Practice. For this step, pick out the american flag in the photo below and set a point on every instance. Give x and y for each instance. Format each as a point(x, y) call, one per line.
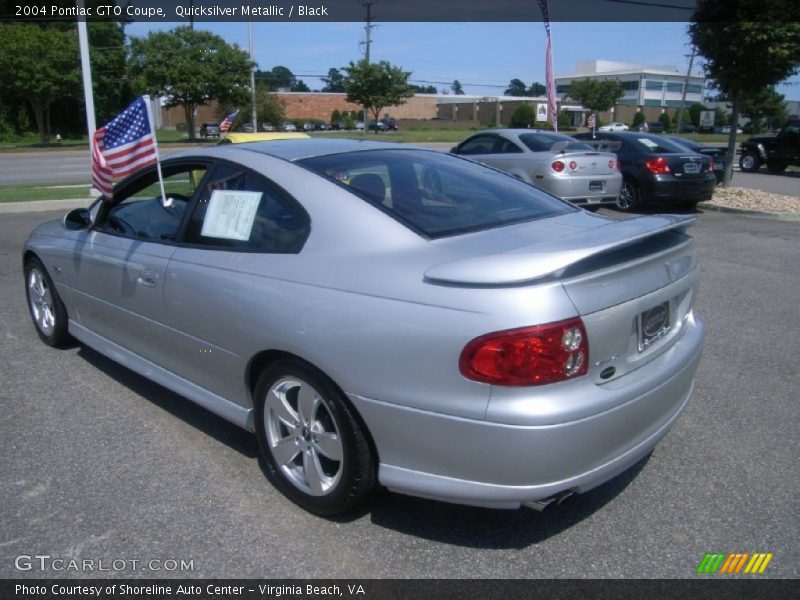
point(227, 122)
point(550, 84)
point(590, 122)
point(123, 146)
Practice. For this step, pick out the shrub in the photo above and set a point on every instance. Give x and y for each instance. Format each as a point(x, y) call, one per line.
point(665, 121)
point(523, 116)
point(638, 119)
point(336, 116)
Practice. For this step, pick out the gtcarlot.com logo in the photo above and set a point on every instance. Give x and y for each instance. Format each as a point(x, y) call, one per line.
point(46, 562)
point(734, 563)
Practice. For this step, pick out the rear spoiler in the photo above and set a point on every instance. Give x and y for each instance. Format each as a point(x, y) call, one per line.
point(551, 258)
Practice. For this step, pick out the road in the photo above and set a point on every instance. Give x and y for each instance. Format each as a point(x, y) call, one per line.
point(101, 463)
point(73, 166)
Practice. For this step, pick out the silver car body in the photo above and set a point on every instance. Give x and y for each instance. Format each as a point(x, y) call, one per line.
point(588, 177)
point(385, 313)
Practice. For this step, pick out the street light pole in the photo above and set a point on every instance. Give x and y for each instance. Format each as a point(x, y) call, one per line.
point(252, 75)
point(86, 71)
point(368, 31)
point(685, 86)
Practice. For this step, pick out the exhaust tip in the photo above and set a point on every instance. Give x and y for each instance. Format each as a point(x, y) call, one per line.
point(554, 500)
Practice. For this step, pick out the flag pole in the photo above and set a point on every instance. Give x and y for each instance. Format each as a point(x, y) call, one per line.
point(155, 146)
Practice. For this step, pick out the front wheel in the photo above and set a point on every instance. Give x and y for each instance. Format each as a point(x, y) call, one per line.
point(45, 306)
point(315, 449)
point(630, 196)
point(749, 162)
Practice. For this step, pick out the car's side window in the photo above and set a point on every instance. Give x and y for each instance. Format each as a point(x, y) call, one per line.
point(239, 210)
point(480, 144)
point(143, 214)
point(504, 146)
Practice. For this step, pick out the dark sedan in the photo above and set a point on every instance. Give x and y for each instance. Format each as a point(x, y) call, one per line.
point(657, 170)
point(715, 152)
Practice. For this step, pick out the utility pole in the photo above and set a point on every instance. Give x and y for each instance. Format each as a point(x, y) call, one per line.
point(685, 86)
point(368, 31)
point(252, 75)
point(86, 71)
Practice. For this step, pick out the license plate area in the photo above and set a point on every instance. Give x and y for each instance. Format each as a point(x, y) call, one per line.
point(653, 324)
point(691, 168)
point(595, 186)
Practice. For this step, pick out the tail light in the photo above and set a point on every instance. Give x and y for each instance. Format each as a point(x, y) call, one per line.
point(557, 166)
point(614, 164)
point(659, 165)
point(573, 165)
point(528, 356)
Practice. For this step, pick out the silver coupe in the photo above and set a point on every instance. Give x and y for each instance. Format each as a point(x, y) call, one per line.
point(383, 315)
point(554, 162)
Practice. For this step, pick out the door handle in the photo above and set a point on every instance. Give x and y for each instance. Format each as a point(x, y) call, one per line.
point(147, 279)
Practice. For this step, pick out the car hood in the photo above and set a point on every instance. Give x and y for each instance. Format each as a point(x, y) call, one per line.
point(559, 243)
point(758, 139)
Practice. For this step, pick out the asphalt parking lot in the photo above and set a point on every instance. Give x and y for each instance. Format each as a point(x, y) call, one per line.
point(99, 463)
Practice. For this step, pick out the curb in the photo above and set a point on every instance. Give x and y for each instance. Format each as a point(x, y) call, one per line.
point(781, 216)
point(44, 205)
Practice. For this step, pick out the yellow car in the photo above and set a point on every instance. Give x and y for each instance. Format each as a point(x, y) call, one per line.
point(241, 138)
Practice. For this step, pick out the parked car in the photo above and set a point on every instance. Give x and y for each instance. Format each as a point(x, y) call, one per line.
point(716, 153)
point(243, 138)
point(321, 126)
point(391, 124)
point(267, 127)
point(776, 151)
point(445, 330)
point(552, 161)
point(208, 130)
point(288, 126)
point(613, 127)
point(378, 126)
point(244, 128)
point(727, 129)
point(308, 126)
point(687, 128)
point(657, 170)
point(360, 125)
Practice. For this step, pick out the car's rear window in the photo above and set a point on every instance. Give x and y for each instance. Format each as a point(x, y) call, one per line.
point(658, 144)
point(541, 142)
point(437, 194)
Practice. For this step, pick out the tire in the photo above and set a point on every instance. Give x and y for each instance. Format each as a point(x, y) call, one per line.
point(296, 408)
point(45, 306)
point(749, 162)
point(776, 167)
point(630, 196)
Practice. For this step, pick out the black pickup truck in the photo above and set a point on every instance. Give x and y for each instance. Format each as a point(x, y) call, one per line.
point(776, 151)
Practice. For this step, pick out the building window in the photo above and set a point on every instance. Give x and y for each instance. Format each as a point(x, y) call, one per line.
point(674, 87)
point(654, 85)
point(630, 101)
point(674, 103)
point(694, 88)
point(562, 89)
point(652, 102)
point(630, 85)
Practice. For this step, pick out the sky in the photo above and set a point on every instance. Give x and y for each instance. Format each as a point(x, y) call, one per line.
point(484, 57)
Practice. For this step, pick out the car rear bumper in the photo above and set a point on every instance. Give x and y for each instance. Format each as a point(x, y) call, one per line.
point(498, 465)
point(579, 189)
point(667, 189)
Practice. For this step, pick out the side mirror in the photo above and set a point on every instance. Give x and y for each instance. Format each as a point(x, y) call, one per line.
point(77, 219)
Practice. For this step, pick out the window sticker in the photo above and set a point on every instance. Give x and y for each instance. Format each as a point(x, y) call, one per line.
point(230, 214)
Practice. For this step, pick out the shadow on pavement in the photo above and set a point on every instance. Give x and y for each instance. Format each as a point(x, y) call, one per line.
point(175, 404)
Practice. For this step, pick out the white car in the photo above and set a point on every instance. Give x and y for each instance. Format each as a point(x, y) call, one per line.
point(613, 127)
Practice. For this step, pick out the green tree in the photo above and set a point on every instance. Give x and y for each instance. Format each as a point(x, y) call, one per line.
point(596, 95)
point(336, 116)
point(376, 85)
point(765, 107)
point(269, 108)
point(564, 120)
point(523, 116)
point(638, 119)
point(665, 120)
point(424, 89)
point(190, 67)
point(334, 82)
point(278, 77)
point(39, 65)
point(694, 112)
point(537, 89)
point(300, 86)
point(516, 87)
point(457, 88)
point(748, 45)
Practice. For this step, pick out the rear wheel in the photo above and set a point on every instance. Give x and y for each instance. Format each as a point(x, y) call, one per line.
point(45, 306)
point(749, 162)
point(314, 447)
point(630, 196)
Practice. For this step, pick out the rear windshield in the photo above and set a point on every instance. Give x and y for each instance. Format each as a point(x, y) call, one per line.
point(540, 142)
point(437, 194)
point(658, 144)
